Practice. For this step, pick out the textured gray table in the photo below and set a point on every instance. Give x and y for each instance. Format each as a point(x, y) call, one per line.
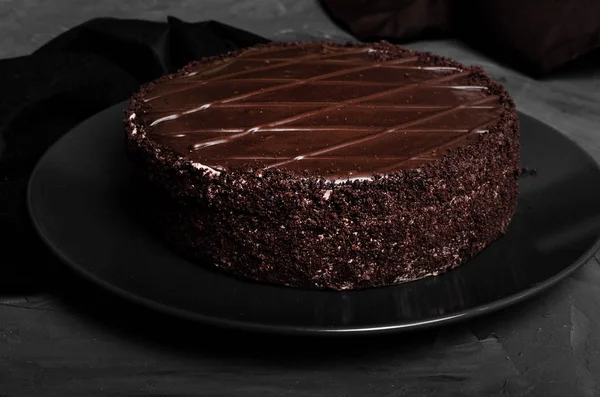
point(89, 343)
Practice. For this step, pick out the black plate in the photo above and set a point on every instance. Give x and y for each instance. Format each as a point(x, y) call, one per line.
point(77, 200)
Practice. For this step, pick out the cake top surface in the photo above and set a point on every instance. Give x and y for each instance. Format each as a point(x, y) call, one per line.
point(344, 112)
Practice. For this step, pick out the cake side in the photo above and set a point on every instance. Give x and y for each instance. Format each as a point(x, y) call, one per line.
point(273, 226)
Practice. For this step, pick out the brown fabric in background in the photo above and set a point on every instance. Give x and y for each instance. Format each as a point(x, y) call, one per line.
point(402, 19)
point(534, 36)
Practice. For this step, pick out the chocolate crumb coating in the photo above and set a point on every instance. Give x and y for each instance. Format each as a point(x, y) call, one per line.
point(327, 166)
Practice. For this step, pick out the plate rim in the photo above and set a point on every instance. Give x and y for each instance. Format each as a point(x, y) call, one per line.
point(472, 312)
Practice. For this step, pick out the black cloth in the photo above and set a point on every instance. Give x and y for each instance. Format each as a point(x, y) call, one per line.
point(74, 76)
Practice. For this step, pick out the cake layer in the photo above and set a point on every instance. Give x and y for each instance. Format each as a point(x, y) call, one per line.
point(326, 166)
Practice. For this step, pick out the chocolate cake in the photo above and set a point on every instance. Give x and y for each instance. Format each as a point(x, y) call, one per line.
point(327, 166)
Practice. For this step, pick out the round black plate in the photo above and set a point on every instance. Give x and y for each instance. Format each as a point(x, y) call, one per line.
point(78, 197)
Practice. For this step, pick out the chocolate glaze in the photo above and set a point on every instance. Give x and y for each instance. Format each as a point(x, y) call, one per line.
point(332, 110)
point(431, 210)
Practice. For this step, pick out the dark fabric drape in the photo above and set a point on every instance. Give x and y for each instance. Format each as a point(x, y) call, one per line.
point(533, 36)
point(76, 75)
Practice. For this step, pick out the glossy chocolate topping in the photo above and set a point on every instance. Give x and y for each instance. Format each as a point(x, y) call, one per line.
point(344, 112)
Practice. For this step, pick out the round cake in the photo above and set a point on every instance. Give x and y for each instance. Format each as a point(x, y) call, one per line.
point(324, 165)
